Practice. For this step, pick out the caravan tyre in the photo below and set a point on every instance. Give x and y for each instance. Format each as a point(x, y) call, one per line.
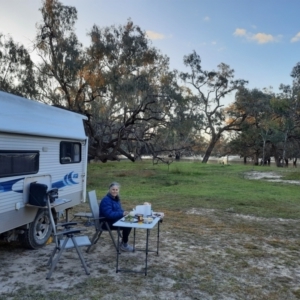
point(39, 231)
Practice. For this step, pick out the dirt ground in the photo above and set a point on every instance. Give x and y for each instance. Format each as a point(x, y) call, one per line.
point(219, 255)
point(203, 254)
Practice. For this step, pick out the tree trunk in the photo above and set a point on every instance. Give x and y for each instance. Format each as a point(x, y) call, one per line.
point(263, 156)
point(256, 157)
point(284, 148)
point(276, 156)
point(277, 160)
point(210, 148)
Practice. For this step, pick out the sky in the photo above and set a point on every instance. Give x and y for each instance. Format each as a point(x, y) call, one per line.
point(259, 39)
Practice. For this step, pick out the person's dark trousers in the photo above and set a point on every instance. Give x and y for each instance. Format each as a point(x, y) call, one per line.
point(125, 230)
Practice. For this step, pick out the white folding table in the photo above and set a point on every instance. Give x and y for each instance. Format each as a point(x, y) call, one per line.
point(135, 225)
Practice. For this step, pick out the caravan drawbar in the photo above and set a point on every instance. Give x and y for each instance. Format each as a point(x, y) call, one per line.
point(44, 144)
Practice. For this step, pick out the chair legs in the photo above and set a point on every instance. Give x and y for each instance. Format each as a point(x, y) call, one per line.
point(94, 240)
point(49, 263)
point(80, 255)
point(111, 236)
point(97, 235)
point(54, 260)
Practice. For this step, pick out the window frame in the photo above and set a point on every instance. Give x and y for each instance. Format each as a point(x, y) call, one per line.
point(36, 168)
point(70, 159)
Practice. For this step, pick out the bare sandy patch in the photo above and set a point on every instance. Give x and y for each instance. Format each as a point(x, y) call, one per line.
point(269, 176)
point(216, 255)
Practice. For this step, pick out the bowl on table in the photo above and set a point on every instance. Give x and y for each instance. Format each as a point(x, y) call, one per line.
point(148, 220)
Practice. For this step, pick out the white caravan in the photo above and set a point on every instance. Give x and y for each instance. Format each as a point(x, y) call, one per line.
point(44, 144)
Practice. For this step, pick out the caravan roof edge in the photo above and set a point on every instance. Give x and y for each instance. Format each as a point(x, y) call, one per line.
point(24, 116)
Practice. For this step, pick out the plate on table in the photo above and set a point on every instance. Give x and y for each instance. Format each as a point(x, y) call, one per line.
point(158, 214)
point(129, 219)
point(148, 220)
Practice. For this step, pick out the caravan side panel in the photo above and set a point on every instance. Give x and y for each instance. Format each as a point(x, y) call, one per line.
point(70, 178)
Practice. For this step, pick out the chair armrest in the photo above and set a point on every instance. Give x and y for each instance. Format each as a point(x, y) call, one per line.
point(100, 219)
point(66, 224)
point(70, 231)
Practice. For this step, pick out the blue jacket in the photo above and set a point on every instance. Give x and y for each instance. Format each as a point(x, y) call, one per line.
point(111, 208)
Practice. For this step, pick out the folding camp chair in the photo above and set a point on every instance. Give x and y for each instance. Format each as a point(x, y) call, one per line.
point(66, 239)
point(100, 223)
point(86, 215)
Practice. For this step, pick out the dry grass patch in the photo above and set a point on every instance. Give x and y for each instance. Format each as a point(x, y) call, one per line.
point(204, 254)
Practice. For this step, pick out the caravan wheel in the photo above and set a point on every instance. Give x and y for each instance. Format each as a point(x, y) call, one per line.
point(39, 231)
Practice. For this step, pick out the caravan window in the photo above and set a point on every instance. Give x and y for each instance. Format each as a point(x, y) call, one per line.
point(70, 152)
point(13, 163)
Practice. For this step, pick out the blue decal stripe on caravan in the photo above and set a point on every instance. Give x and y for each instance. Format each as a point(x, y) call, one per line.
point(68, 180)
point(7, 186)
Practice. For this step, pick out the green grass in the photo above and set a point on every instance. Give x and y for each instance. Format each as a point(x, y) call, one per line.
point(195, 185)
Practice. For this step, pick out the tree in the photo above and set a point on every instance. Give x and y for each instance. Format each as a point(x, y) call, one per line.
point(296, 75)
point(184, 126)
point(120, 82)
point(211, 88)
point(271, 127)
point(64, 68)
point(257, 131)
point(286, 116)
point(139, 91)
point(16, 69)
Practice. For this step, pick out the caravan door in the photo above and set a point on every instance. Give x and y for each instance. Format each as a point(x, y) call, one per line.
point(71, 178)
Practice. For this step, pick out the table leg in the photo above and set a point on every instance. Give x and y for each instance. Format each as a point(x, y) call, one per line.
point(146, 259)
point(118, 250)
point(157, 237)
point(67, 214)
point(133, 239)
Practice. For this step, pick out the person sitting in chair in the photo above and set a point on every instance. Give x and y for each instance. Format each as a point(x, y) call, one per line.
point(110, 208)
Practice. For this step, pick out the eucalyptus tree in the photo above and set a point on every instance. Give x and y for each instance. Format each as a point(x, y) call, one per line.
point(184, 126)
point(295, 137)
point(286, 117)
point(286, 120)
point(259, 114)
point(16, 69)
point(119, 81)
point(140, 92)
point(253, 138)
point(272, 125)
point(246, 143)
point(295, 74)
point(63, 67)
point(210, 88)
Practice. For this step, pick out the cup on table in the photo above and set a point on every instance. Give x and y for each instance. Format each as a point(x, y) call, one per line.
point(140, 218)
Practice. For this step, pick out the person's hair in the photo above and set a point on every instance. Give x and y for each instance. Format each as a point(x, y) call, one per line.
point(114, 184)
